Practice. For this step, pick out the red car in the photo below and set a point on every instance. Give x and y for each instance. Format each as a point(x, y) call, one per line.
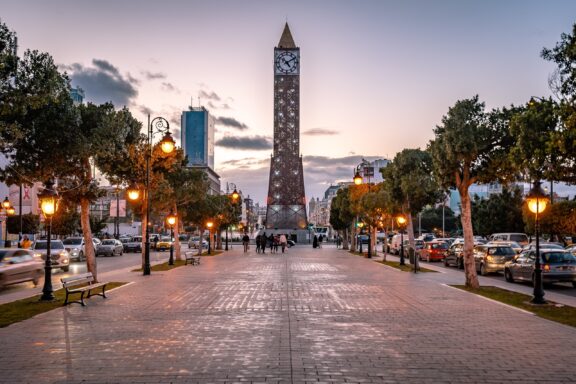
point(433, 251)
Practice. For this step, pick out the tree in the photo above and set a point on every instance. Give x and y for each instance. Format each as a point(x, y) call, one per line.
point(341, 217)
point(563, 84)
point(559, 218)
point(411, 185)
point(500, 212)
point(431, 219)
point(30, 223)
point(471, 146)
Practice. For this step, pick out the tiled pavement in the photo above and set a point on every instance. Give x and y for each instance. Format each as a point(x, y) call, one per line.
point(307, 316)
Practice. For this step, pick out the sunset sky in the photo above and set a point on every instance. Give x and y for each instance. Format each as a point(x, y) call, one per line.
point(376, 76)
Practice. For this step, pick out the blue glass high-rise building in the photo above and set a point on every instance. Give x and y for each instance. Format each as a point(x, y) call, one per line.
point(198, 143)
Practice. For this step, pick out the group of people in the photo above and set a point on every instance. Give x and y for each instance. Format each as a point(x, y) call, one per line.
point(272, 241)
point(317, 242)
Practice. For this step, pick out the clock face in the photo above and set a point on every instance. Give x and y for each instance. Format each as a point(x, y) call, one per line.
point(286, 63)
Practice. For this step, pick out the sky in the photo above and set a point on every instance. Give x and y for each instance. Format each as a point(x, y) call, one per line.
point(376, 76)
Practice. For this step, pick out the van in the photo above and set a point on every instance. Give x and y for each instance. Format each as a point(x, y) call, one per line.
point(396, 243)
point(520, 238)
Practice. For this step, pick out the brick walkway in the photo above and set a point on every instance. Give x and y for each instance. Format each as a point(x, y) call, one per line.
point(305, 316)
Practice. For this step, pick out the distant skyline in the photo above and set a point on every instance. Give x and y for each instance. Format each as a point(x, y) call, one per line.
point(376, 76)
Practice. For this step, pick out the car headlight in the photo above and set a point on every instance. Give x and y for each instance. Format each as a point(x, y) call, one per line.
point(74, 251)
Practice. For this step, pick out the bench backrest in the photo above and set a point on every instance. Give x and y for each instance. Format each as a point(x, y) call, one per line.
point(77, 280)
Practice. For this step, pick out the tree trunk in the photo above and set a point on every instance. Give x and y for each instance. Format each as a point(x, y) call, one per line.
point(219, 240)
point(345, 243)
point(466, 216)
point(87, 234)
point(410, 228)
point(373, 241)
point(353, 237)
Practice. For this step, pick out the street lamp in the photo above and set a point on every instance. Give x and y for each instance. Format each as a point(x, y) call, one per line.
point(9, 212)
point(171, 221)
point(401, 220)
point(367, 171)
point(537, 201)
point(49, 204)
point(234, 197)
point(209, 225)
point(167, 145)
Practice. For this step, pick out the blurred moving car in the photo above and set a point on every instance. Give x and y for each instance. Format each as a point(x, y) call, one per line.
point(110, 247)
point(491, 258)
point(557, 266)
point(19, 265)
point(433, 251)
point(290, 243)
point(59, 256)
point(164, 243)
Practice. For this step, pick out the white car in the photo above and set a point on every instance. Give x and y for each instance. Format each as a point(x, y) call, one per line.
point(59, 256)
point(76, 247)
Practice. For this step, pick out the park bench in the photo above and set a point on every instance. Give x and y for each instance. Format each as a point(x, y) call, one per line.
point(192, 258)
point(81, 284)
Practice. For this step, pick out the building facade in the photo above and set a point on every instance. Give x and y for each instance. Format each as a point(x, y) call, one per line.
point(286, 202)
point(197, 138)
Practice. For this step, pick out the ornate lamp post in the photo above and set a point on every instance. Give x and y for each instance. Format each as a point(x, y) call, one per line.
point(537, 202)
point(209, 225)
point(234, 197)
point(171, 220)
point(367, 171)
point(401, 220)
point(167, 145)
point(49, 204)
point(9, 212)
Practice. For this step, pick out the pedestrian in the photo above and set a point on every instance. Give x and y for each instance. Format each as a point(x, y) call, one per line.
point(320, 238)
point(258, 243)
point(283, 242)
point(338, 240)
point(263, 240)
point(315, 242)
point(26, 243)
point(245, 242)
point(271, 242)
point(276, 243)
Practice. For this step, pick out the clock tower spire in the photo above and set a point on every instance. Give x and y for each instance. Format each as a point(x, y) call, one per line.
point(286, 204)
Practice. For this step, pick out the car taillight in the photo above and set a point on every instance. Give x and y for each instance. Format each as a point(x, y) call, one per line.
point(546, 268)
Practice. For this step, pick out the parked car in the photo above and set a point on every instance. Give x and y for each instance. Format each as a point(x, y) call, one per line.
point(515, 246)
point(571, 249)
point(395, 243)
point(59, 256)
point(455, 256)
point(542, 244)
point(76, 247)
point(110, 247)
point(557, 266)
point(194, 242)
point(134, 245)
point(491, 258)
point(19, 265)
point(520, 238)
point(433, 251)
point(164, 243)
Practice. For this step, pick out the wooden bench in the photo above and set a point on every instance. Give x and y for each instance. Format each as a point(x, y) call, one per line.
point(81, 284)
point(192, 258)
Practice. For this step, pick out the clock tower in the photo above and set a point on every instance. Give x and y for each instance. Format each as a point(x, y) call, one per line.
point(286, 205)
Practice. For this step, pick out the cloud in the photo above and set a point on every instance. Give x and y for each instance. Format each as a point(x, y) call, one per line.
point(254, 143)
point(169, 87)
point(145, 110)
point(231, 122)
point(320, 132)
point(247, 162)
point(209, 95)
point(212, 105)
point(103, 82)
point(153, 75)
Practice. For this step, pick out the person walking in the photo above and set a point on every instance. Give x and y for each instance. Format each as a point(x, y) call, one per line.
point(320, 239)
point(283, 242)
point(315, 242)
point(263, 240)
point(258, 243)
point(245, 242)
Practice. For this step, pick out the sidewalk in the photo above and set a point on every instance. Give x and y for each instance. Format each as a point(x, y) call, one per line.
point(306, 316)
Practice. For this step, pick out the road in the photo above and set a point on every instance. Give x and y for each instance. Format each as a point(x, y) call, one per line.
point(104, 264)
